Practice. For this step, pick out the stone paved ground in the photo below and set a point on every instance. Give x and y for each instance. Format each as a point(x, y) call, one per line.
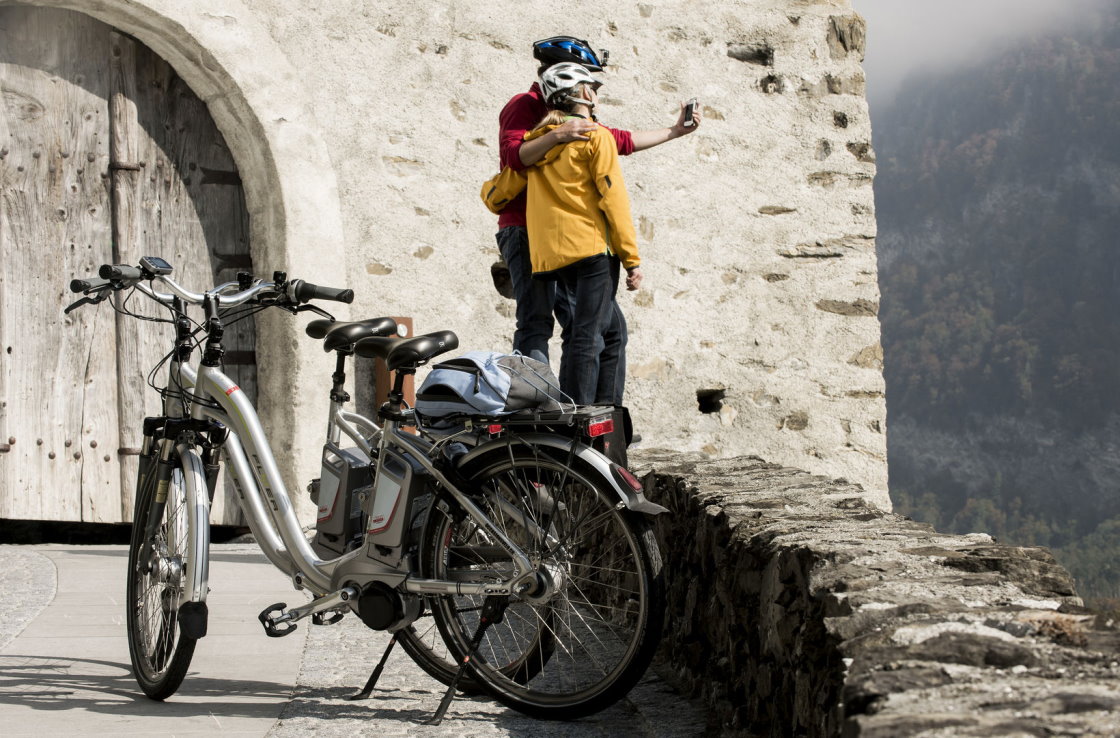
point(338, 659)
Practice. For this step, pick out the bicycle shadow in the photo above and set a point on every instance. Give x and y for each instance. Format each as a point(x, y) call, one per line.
point(413, 707)
point(98, 686)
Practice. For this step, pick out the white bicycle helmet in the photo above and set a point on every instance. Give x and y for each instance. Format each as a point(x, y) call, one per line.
point(558, 81)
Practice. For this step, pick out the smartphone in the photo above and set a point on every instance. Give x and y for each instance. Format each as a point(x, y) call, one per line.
point(689, 107)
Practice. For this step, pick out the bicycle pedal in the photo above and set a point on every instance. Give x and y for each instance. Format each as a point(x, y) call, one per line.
point(272, 628)
point(324, 618)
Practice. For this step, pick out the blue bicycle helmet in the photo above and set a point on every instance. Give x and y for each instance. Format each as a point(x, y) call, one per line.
point(568, 49)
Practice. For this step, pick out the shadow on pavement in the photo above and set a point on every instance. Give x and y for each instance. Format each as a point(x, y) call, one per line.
point(54, 684)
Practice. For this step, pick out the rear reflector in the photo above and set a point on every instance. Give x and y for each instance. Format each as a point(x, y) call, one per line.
point(494, 429)
point(628, 477)
point(600, 427)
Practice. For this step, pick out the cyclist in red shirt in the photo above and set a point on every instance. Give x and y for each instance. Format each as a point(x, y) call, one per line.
point(537, 299)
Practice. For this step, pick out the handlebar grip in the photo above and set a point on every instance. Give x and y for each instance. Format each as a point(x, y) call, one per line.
point(88, 284)
point(120, 272)
point(305, 291)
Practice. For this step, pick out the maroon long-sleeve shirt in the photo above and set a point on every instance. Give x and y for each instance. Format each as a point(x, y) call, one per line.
point(522, 114)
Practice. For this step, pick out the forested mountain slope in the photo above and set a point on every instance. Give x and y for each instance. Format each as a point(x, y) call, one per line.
point(998, 201)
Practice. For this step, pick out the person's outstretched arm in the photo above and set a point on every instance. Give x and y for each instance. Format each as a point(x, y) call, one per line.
point(648, 139)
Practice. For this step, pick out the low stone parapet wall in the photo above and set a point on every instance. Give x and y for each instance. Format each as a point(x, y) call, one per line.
point(795, 608)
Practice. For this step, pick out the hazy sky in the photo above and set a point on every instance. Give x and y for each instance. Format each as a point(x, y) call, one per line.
point(905, 36)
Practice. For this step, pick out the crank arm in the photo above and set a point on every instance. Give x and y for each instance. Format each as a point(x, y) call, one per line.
point(285, 622)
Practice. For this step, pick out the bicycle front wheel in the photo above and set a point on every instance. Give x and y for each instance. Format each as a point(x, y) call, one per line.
point(597, 600)
point(160, 653)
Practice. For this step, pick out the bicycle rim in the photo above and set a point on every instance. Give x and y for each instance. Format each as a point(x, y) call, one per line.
point(160, 653)
point(598, 605)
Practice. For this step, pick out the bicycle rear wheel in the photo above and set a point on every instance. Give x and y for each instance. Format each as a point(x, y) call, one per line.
point(598, 602)
point(159, 651)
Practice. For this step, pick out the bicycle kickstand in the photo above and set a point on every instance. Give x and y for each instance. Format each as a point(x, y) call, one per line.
point(493, 610)
point(366, 690)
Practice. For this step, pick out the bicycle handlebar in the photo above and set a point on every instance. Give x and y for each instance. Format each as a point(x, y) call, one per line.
point(197, 298)
point(305, 291)
point(124, 276)
point(89, 284)
point(120, 272)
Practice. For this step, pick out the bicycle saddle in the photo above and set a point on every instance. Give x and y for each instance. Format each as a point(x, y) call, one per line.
point(407, 352)
point(338, 335)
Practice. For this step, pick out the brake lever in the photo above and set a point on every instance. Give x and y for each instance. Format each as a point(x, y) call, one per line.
point(281, 302)
point(100, 297)
point(313, 308)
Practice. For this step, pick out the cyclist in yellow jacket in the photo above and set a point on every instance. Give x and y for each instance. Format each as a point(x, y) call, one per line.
point(578, 213)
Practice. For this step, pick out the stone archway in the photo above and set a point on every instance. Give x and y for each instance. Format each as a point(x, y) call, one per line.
point(255, 98)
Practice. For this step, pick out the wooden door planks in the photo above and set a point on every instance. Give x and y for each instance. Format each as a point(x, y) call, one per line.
point(59, 390)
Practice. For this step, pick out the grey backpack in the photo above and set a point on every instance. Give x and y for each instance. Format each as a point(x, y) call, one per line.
point(488, 383)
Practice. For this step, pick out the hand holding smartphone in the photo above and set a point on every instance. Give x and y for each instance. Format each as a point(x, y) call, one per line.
point(689, 108)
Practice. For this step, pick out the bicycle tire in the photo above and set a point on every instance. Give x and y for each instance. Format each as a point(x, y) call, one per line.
point(159, 652)
point(603, 609)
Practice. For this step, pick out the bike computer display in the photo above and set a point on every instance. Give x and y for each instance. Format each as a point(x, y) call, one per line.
point(155, 266)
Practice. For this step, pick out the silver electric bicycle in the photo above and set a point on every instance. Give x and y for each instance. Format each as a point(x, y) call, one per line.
point(507, 556)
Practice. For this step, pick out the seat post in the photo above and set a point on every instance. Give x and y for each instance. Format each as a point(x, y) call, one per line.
point(396, 395)
point(338, 388)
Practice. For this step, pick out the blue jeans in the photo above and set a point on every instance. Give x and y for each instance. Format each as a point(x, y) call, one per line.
point(590, 295)
point(612, 360)
point(534, 297)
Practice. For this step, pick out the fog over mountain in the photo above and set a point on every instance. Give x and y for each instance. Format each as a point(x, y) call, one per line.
point(998, 202)
point(914, 38)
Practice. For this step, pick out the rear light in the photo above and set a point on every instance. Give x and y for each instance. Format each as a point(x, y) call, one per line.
point(494, 429)
point(628, 477)
point(600, 426)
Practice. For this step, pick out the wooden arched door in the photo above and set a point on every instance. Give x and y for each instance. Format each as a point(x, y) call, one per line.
point(105, 155)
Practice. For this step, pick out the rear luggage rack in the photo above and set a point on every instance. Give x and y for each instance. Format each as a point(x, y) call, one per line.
point(603, 427)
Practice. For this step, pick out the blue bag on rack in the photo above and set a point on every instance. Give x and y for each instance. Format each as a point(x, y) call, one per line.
point(488, 383)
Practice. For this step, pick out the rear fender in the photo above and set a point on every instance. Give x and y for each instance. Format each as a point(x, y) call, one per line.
point(562, 447)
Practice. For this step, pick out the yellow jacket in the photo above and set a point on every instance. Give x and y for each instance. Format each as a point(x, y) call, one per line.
point(577, 204)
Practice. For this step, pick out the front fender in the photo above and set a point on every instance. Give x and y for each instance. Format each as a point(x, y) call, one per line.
point(634, 499)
